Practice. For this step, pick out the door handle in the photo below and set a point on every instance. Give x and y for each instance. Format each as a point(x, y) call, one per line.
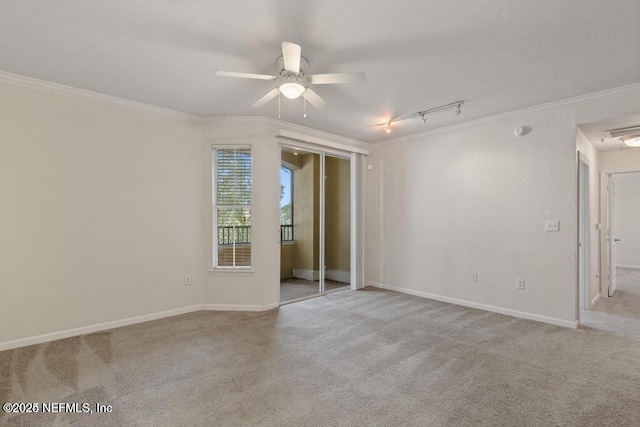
point(616, 240)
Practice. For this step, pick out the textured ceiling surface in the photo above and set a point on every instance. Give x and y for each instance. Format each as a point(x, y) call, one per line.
point(496, 55)
point(596, 132)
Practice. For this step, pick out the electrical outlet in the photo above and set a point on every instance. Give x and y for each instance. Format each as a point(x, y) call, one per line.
point(187, 280)
point(552, 225)
point(520, 284)
point(474, 278)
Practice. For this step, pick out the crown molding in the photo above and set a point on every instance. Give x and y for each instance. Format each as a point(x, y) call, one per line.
point(56, 88)
point(529, 110)
point(288, 126)
point(60, 89)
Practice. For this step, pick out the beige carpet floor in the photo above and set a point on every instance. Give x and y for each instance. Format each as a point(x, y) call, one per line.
point(619, 314)
point(352, 358)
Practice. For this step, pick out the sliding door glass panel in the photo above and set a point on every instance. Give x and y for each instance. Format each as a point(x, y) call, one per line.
point(337, 223)
point(300, 190)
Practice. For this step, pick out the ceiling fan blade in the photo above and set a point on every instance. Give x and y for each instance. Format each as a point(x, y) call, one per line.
point(244, 75)
point(265, 99)
point(315, 99)
point(324, 79)
point(629, 130)
point(291, 56)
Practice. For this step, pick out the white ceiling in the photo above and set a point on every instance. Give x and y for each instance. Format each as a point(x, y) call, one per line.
point(496, 55)
point(596, 132)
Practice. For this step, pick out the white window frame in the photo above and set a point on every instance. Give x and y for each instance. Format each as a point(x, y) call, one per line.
point(214, 211)
point(292, 241)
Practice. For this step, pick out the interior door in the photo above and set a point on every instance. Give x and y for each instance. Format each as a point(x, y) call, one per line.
point(613, 239)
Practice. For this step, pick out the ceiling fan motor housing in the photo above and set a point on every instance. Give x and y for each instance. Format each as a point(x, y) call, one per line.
point(287, 75)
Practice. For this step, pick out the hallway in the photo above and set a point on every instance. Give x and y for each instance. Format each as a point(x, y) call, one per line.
point(619, 314)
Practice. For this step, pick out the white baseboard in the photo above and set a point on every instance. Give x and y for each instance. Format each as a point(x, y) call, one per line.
point(68, 333)
point(595, 300)
point(38, 339)
point(238, 307)
point(339, 276)
point(485, 307)
point(309, 275)
point(637, 267)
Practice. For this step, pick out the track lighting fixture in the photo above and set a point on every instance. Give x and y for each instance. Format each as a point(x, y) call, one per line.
point(422, 114)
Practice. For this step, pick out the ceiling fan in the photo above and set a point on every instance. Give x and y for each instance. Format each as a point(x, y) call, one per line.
point(293, 80)
point(629, 135)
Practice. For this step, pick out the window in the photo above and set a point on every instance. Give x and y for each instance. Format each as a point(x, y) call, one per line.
point(286, 204)
point(231, 179)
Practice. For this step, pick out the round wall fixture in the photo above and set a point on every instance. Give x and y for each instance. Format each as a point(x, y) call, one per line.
point(519, 131)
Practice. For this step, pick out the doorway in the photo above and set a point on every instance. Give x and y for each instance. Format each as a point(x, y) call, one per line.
point(619, 309)
point(623, 234)
point(315, 223)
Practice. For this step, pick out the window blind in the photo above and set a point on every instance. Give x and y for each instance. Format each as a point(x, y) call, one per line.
point(232, 169)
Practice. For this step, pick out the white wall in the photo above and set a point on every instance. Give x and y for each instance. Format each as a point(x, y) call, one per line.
point(106, 206)
point(627, 217)
point(100, 213)
point(259, 289)
point(590, 155)
point(474, 199)
point(620, 160)
point(104, 210)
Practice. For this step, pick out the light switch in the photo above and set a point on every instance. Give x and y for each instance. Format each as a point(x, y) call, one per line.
point(552, 225)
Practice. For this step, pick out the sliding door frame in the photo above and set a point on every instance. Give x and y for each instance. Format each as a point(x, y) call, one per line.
point(355, 226)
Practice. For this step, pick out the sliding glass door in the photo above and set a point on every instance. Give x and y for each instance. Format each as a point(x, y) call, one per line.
point(300, 189)
point(337, 223)
point(314, 223)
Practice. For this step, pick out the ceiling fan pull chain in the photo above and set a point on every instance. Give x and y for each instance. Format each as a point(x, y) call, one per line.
point(305, 107)
point(278, 104)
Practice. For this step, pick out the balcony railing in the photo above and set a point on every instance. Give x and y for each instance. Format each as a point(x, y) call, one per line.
point(243, 234)
point(286, 233)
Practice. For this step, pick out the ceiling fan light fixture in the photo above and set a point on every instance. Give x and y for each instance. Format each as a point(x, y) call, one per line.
point(291, 90)
point(631, 140)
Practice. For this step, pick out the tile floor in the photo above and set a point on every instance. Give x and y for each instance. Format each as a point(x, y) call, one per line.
point(291, 289)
